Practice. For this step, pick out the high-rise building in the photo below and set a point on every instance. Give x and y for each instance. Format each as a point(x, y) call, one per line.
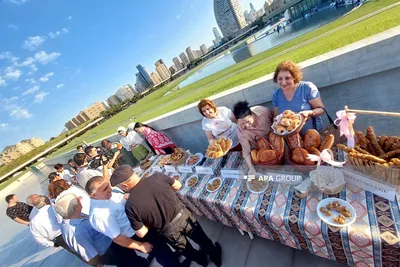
point(162, 70)
point(274, 5)
point(105, 105)
point(217, 35)
point(204, 49)
point(156, 78)
point(70, 125)
point(172, 70)
point(113, 100)
point(190, 54)
point(184, 58)
point(177, 63)
point(141, 84)
point(252, 8)
point(146, 76)
point(215, 42)
point(84, 115)
point(13, 152)
point(229, 16)
point(124, 93)
point(76, 122)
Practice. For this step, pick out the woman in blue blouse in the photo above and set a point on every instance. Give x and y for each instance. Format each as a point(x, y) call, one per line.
point(297, 95)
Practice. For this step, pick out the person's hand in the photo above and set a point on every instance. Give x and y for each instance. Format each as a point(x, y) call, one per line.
point(306, 113)
point(146, 247)
point(132, 146)
point(251, 171)
point(117, 153)
point(126, 196)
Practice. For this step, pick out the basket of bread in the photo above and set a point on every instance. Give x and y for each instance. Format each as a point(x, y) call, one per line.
point(300, 147)
point(218, 148)
point(268, 152)
point(376, 156)
point(288, 123)
point(179, 157)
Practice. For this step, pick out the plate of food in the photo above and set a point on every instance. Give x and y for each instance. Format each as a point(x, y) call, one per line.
point(257, 185)
point(145, 164)
point(191, 181)
point(165, 160)
point(288, 123)
point(176, 177)
point(214, 184)
point(219, 148)
point(178, 157)
point(195, 159)
point(336, 212)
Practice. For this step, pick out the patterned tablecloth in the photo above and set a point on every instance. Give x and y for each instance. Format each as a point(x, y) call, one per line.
point(278, 214)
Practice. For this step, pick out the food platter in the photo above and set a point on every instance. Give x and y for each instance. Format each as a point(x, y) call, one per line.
point(145, 164)
point(165, 160)
point(288, 123)
point(255, 186)
point(194, 159)
point(176, 176)
point(218, 148)
point(348, 214)
point(213, 184)
point(191, 181)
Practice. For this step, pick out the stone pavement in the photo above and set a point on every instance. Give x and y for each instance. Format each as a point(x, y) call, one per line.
point(18, 248)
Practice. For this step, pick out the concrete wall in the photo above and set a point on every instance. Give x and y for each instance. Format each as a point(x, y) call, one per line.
point(363, 75)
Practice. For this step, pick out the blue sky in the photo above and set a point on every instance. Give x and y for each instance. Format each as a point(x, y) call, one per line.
point(59, 56)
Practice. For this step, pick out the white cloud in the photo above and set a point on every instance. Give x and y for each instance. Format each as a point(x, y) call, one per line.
point(8, 55)
point(33, 69)
point(4, 126)
point(178, 16)
point(30, 80)
point(33, 42)
point(2, 82)
point(13, 27)
point(56, 34)
point(70, 17)
point(15, 2)
point(39, 97)
point(20, 113)
point(46, 77)
point(45, 58)
point(31, 90)
point(28, 62)
point(11, 73)
point(60, 85)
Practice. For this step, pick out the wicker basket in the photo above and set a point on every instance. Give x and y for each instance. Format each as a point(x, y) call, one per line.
point(278, 161)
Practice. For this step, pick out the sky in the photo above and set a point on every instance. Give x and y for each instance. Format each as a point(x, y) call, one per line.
point(58, 57)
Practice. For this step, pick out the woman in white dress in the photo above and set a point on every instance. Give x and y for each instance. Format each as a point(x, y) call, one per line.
point(218, 122)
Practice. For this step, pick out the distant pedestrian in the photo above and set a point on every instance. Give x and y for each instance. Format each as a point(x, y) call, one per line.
point(80, 149)
point(131, 141)
point(159, 142)
point(63, 173)
point(53, 177)
point(73, 168)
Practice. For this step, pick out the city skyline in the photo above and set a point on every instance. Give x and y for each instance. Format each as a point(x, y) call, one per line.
point(60, 60)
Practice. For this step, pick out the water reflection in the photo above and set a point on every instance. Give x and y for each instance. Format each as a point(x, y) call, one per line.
point(245, 51)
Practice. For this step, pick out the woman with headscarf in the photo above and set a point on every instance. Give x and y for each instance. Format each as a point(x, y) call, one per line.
point(131, 141)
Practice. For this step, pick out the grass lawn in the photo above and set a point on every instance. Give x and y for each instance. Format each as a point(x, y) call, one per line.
point(11, 180)
point(157, 104)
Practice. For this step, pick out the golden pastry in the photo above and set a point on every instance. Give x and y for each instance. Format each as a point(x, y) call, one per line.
point(265, 155)
point(312, 138)
point(376, 149)
point(277, 143)
point(313, 150)
point(327, 142)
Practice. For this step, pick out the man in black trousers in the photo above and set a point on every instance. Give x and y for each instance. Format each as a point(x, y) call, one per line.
point(153, 208)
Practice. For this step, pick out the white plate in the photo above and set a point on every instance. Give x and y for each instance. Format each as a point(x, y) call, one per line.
point(201, 156)
point(329, 219)
point(187, 180)
point(211, 181)
point(262, 190)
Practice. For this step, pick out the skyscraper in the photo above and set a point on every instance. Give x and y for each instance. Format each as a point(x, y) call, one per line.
point(156, 78)
point(124, 93)
point(217, 35)
point(252, 9)
point(146, 76)
point(190, 54)
point(177, 63)
point(162, 70)
point(184, 58)
point(204, 49)
point(229, 16)
point(141, 84)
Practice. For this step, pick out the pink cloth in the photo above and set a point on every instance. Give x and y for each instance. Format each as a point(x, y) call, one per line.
point(158, 140)
point(262, 127)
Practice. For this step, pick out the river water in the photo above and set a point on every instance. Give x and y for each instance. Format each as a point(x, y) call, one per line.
point(246, 51)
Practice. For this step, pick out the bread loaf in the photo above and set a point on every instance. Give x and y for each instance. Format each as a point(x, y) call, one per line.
point(254, 155)
point(294, 141)
point(277, 143)
point(266, 155)
point(312, 138)
point(327, 142)
point(300, 157)
point(313, 150)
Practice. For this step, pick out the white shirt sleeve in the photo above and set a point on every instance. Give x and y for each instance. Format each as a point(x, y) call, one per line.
point(39, 234)
point(225, 112)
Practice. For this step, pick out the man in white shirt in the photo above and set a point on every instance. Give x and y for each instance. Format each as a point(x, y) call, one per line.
point(85, 173)
point(44, 225)
point(107, 216)
point(64, 174)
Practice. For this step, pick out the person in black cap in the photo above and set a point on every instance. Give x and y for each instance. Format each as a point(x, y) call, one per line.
point(153, 207)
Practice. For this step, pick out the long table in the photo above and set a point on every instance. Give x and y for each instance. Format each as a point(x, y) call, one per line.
point(279, 215)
